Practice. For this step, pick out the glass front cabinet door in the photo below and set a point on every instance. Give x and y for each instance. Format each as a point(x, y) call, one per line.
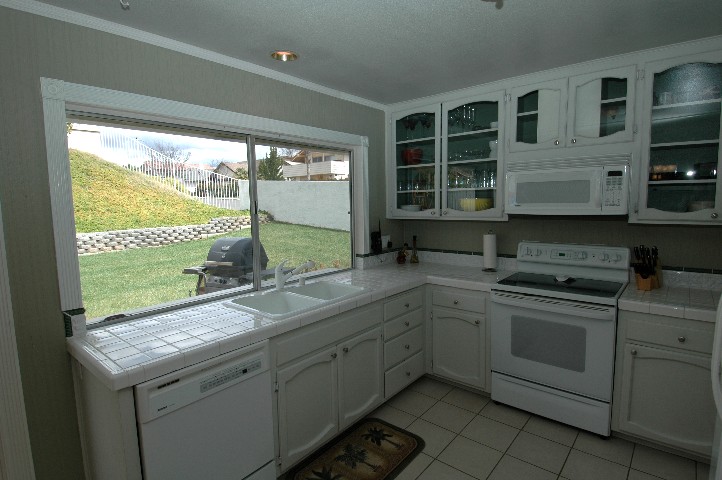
point(538, 113)
point(600, 107)
point(414, 170)
point(471, 158)
point(681, 146)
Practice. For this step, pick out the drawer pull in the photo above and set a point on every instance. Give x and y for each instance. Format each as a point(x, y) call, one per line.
point(456, 302)
point(407, 323)
point(334, 355)
point(477, 322)
point(406, 305)
point(634, 352)
point(408, 374)
point(407, 346)
point(345, 349)
point(681, 339)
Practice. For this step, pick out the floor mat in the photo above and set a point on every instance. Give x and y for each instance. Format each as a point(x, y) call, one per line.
point(371, 450)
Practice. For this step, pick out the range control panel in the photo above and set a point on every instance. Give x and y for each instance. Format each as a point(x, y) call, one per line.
point(597, 256)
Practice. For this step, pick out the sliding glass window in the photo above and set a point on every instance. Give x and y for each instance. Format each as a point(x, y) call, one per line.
point(170, 214)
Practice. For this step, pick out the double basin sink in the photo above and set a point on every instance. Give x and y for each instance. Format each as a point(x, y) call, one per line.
point(279, 304)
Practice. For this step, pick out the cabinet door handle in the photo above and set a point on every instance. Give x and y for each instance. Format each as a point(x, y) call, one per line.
point(574, 140)
point(556, 142)
point(407, 323)
point(456, 302)
point(634, 352)
point(407, 346)
point(682, 339)
point(345, 349)
point(406, 305)
point(714, 215)
point(408, 374)
point(334, 355)
point(433, 212)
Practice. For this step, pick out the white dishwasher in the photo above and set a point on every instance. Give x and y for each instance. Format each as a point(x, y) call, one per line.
point(211, 420)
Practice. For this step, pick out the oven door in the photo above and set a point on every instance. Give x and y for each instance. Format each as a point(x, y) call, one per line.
point(562, 344)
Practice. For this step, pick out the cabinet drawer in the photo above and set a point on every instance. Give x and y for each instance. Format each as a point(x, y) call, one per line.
point(403, 374)
point(472, 302)
point(404, 323)
point(685, 338)
point(403, 347)
point(403, 303)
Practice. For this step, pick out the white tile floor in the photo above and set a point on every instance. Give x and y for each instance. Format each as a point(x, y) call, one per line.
point(469, 437)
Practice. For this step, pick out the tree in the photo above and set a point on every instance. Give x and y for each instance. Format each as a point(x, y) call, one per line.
point(271, 167)
point(241, 173)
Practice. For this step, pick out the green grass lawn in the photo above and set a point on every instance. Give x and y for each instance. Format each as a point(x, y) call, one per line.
point(118, 281)
point(109, 197)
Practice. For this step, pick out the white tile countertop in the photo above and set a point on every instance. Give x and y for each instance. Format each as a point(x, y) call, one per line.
point(672, 301)
point(132, 352)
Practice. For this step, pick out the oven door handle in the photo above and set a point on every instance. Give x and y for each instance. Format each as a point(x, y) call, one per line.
point(564, 307)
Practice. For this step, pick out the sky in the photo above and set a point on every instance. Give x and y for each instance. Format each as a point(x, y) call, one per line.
point(202, 150)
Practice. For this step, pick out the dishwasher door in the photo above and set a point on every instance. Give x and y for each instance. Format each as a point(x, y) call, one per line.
point(212, 420)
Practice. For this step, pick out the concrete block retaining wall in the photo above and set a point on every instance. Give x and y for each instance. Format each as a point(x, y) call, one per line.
point(98, 242)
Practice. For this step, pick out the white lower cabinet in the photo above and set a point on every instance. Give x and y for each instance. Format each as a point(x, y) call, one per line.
point(663, 388)
point(459, 336)
point(360, 376)
point(321, 393)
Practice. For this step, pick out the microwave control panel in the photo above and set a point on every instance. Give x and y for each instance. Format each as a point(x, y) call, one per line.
point(614, 190)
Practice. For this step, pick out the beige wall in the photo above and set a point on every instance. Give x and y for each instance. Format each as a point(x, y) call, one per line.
point(32, 47)
point(679, 246)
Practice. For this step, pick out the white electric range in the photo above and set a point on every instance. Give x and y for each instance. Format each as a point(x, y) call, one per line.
point(554, 325)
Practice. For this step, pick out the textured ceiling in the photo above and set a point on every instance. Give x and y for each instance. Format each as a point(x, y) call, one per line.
point(389, 51)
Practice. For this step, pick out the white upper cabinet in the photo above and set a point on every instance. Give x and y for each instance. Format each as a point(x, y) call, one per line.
point(589, 109)
point(538, 116)
point(471, 158)
point(446, 160)
point(680, 141)
point(414, 164)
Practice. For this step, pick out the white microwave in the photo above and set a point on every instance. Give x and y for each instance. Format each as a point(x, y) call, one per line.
point(588, 190)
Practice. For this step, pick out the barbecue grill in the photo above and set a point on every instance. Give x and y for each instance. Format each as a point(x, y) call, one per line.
point(229, 264)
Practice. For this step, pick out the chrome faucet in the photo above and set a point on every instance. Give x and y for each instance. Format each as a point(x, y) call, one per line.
point(282, 278)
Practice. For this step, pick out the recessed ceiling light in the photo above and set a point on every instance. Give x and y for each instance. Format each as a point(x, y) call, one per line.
point(284, 55)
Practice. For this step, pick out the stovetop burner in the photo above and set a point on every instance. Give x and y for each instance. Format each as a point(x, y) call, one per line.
point(563, 284)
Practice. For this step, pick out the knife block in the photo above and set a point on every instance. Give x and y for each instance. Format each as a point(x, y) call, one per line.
point(645, 284)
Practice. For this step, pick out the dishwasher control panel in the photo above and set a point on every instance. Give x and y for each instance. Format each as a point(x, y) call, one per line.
point(228, 374)
point(171, 392)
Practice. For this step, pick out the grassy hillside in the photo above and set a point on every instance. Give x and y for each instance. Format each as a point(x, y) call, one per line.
point(109, 197)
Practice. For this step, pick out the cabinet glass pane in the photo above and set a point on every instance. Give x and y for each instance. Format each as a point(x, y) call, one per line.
point(415, 126)
point(415, 153)
point(537, 116)
point(681, 196)
point(415, 189)
point(471, 186)
point(684, 162)
point(685, 122)
point(692, 82)
point(473, 116)
point(600, 107)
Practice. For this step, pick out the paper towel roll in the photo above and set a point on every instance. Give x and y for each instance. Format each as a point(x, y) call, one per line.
point(490, 252)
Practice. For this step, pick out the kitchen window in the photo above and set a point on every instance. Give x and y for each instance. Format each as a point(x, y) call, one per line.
point(305, 205)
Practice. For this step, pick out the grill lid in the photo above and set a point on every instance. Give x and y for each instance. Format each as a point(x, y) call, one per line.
point(236, 252)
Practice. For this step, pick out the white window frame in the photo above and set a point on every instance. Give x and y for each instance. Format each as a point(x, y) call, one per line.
point(60, 97)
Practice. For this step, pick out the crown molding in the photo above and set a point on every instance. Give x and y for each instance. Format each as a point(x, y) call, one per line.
point(68, 16)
